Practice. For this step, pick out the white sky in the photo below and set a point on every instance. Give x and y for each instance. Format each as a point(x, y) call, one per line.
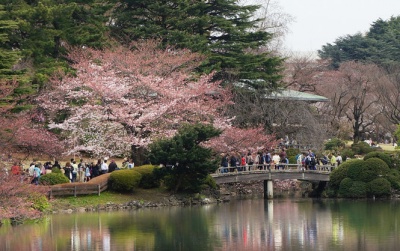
point(318, 22)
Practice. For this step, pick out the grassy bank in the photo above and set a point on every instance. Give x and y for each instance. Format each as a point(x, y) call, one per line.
point(70, 202)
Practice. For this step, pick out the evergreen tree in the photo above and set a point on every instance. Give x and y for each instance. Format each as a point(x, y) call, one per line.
point(8, 57)
point(381, 45)
point(187, 163)
point(45, 27)
point(220, 29)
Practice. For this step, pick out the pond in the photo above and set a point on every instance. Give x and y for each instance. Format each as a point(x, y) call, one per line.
point(253, 224)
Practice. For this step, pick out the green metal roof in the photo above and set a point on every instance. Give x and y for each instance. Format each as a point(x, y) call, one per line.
point(296, 95)
point(283, 94)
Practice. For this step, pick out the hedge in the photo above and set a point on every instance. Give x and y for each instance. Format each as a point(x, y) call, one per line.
point(379, 187)
point(124, 180)
point(149, 179)
point(345, 186)
point(356, 168)
point(53, 179)
point(380, 155)
point(373, 168)
point(340, 173)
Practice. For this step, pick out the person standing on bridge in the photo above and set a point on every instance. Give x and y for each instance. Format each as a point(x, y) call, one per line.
point(243, 163)
point(275, 160)
point(249, 160)
point(224, 163)
point(233, 161)
point(333, 162)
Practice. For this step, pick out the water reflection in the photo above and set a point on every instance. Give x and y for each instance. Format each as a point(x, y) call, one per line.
point(240, 225)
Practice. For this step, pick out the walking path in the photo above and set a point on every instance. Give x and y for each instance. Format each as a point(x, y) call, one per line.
point(94, 186)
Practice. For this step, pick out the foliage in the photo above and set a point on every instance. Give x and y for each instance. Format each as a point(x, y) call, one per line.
point(106, 104)
point(345, 187)
point(292, 152)
point(347, 154)
point(186, 162)
point(361, 148)
point(21, 134)
point(358, 178)
point(379, 187)
point(395, 159)
point(33, 39)
point(379, 45)
point(394, 178)
point(334, 144)
point(40, 202)
point(381, 155)
point(209, 182)
point(397, 135)
point(338, 174)
point(149, 179)
point(233, 139)
point(358, 189)
point(124, 180)
point(53, 179)
point(55, 170)
point(225, 31)
point(356, 168)
point(373, 168)
point(15, 194)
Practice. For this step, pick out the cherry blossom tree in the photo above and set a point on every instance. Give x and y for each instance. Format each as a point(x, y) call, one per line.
point(235, 139)
point(17, 198)
point(130, 96)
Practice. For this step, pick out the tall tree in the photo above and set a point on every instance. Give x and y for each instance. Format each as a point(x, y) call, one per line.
point(222, 30)
point(353, 91)
point(8, 58)
point(380, 45)
point(44, 27)
point(130, 96)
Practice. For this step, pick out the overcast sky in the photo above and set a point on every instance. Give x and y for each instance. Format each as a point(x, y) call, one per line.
point(318, 22)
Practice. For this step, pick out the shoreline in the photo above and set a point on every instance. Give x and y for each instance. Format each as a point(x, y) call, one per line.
point(156, 198)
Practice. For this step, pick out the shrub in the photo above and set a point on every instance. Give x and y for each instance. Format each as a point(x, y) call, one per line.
point(395, 160)
point(292, 160)
point(394, 178)
point(379, 187)
point(380, 155)
point(347, 154)
point(356, 168)
point(55, 170)
point(358, 190)
point(345, 186)
point(361, 148)
point(372, 169)
point(292, 152)
point(124, 180)
point(340, 173)
point(209, 182)
point(149, 178)
point(53, 179)
point(334, 144)
point(39, 202)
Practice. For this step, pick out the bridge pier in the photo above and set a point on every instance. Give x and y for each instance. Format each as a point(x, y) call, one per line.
point(268, 189)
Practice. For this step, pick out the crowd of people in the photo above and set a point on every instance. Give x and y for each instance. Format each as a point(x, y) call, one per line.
point(75, 172)
point(277, 160)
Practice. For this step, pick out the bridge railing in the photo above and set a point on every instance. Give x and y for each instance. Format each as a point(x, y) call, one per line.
point(270, 168)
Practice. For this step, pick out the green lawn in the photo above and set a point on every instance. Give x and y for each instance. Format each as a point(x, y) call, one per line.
point(71, 202)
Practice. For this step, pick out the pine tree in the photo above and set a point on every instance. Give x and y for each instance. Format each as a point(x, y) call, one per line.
point(220, 29)
point(8, 56)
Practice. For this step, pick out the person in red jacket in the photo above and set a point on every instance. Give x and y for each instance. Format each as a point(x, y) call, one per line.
point(16, 169)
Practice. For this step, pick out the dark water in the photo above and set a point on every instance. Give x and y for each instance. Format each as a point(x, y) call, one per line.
point(302, 224)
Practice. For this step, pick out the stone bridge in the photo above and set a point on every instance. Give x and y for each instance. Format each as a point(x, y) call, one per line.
point(268, 175)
